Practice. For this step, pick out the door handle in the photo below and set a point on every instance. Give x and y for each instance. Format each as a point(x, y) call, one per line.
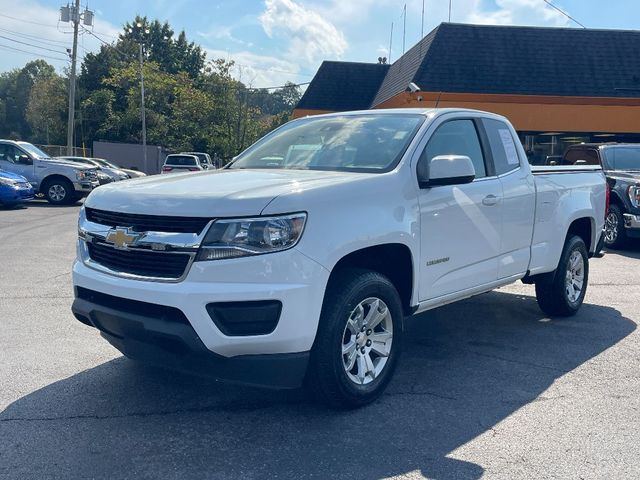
point(490, 200)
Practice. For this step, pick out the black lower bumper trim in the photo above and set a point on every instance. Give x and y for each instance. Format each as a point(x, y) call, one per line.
point(166, 343)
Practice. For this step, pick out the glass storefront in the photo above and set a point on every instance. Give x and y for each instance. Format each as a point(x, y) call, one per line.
point(543, 148)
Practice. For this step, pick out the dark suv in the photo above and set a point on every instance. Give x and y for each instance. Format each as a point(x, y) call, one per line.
point(621, 164)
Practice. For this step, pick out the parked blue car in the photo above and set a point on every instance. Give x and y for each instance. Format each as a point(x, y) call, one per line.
point(14, 189)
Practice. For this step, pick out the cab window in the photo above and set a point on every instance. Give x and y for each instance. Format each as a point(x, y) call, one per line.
point(503, 146)
point(9, 153)
point(581, 156)
point(456, 137)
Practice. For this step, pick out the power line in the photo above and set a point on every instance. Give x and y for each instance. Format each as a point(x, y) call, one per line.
point(36, 38)
point(563, 13)
point(279, 86)
point(126, 55)
point(28, 21)
point(31, 45)
point(41, 55)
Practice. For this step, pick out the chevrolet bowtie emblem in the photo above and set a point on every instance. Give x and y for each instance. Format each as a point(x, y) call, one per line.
point(122, 238)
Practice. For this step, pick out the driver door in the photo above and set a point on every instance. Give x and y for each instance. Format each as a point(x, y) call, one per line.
point(460, 225)
point(12, 159)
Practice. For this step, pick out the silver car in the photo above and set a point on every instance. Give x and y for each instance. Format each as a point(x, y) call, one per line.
point(113, 172)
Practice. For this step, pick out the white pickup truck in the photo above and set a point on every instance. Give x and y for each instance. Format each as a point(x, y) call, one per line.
point(299, 261)
point(59, 181)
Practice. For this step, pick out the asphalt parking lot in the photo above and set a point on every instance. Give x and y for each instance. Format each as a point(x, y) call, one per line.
point(486, 388)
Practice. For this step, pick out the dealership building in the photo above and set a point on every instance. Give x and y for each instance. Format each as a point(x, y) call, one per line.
point(558, 86)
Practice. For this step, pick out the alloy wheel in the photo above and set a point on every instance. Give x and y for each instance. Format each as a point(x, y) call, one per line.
point(574, 280)
point(57, 193)
point(366, 341)
point(611, 228)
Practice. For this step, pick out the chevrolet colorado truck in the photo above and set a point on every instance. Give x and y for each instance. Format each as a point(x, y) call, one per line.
point(297, 263)
point(621, 165)
point(61, 182)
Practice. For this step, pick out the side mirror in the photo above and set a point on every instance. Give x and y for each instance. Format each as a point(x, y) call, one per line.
point(447, 170)
point(25, 160)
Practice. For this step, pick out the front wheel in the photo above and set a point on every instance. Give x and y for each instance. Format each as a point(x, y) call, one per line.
point(59, 192)
point(358, 341)
point(562, 292)
point(614, 232)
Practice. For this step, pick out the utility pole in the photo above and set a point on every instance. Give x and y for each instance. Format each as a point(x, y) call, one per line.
point(142, 113)
point(404, 28)
point(72, 14)
point(75, 18)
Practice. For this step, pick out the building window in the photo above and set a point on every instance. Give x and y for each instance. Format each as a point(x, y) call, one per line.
point(548, 148)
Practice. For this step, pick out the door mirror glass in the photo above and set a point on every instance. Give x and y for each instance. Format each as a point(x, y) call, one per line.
point(25, 160)
point(448, 170)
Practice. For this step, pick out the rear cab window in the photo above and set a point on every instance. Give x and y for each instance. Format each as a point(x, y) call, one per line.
point(181, 161)
point(503, 146)
point(581, 156)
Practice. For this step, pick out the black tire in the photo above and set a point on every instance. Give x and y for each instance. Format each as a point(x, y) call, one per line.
point(327, 377)
point(54, 187)
point(551, 288)
point(615, 234)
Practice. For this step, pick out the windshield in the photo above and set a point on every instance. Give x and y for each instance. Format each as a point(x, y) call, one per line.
point(202, 156)
point(357, 143)
point(33, 150)
point(104, 163)
point(623, 158)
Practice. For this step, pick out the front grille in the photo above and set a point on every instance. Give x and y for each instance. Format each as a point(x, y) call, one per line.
point(144, 263)
point(148, 223)
point(91, 174)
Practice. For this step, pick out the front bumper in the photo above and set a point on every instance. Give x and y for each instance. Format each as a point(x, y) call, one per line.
point(10, 195)
point(632, 225)
point(84, 188)
point(170, 342)
point(288, 277)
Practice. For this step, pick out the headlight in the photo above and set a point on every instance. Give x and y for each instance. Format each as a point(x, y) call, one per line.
point(81, 175)
point(242, 237)
point(634, 195)
point(8, 181)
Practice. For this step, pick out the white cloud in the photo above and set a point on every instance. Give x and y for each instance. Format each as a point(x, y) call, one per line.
point(311, 37)
point(46, 34)
point(517, 12)
point(258, 71)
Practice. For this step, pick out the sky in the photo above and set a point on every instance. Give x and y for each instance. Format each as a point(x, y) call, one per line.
point(275, 41)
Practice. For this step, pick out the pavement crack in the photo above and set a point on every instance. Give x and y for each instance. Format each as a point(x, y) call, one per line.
point(413, 393)
point(225, 408)
point(519, 362)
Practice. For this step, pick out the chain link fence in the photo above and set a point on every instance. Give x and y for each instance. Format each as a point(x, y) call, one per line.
point(61, 150)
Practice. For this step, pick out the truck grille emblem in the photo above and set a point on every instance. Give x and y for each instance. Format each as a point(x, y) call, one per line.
point(122, 238)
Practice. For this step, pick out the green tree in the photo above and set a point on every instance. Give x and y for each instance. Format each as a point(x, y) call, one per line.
point(15, 90)
point(46, 110)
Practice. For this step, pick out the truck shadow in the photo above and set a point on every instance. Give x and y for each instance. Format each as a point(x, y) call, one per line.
point(631, 249)
point(466, 367)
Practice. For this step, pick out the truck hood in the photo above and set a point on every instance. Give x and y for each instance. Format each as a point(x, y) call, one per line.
point(12, 176)
point(219, 193)
point(64, 163)
point(621, 175)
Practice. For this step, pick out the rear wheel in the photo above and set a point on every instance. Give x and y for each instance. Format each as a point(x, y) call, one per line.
point(562, 292)
point(59, 192)
point(614, 233)
point(358, 341)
